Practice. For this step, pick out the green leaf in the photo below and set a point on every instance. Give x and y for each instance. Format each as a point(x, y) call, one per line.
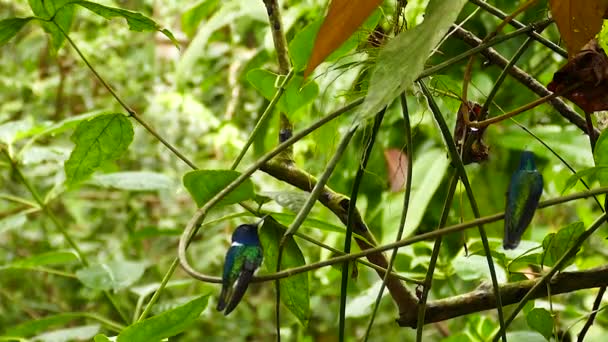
point(204, 184)
point(116, 274)
point(600, 156)
point(61, 14)
point(591, 173)
point(527, 336)
point(294, 289)
point(167, 324)
point(102, 139)
point(427, 175)
point(540, 320)
point(135, 20)
point(101, 338)
point(395, 70)
point(294, 97)
point(133, 181)
point(193, 16)
point(555, 245)
point(32, 327)
point(475, 267)
point(82, 333)
point(10, 27)
point(49, 258)
point(12, 222)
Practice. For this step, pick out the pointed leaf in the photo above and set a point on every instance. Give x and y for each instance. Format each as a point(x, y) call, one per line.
point(294, 289)
point(10, 27)
point(395, 70)
point(135, 20)
point(591, 173)
point(102, 139)
point(167, 324)
point(101, 338)
point(49, 258)
point(578, 21)
point(541, 320)
point(342, 20)
point(82, 333)
point(555, 245)
point(116, 275)
point(204, 184)
point(36, 326)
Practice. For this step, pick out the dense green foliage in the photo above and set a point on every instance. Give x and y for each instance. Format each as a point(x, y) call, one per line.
point(79, 176)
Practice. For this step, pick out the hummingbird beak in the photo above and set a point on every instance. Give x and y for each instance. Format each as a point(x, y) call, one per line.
point(261, 221)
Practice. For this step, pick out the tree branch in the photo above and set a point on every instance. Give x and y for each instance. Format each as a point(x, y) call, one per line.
point(524, 78)
point(483, 297)
point(338, 204)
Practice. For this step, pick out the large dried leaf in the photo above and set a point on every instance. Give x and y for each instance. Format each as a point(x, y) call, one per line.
point(343, 19)
point(589, 69)
point(578, 21)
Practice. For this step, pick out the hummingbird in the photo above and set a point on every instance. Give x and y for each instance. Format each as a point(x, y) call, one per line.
point(522, 199)
point(242, 259)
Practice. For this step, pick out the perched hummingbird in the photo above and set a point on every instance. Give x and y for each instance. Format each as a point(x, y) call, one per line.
point(242, 259)
point(522, 199)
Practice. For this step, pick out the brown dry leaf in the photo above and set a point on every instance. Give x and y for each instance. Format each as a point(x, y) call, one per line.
point(343, 19)
point(590, 68)
point(396, 168)
point(474, 150)
point(578, 21)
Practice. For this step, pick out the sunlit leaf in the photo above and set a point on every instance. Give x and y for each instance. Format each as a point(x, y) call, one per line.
point(102, 139)
point(82, 333)
point(578, 21)
point(203, 185)
point(133, 181)
point(342, 20)
point(116, 274)
point(395, 70)
point(167, 324)
point(294, 289)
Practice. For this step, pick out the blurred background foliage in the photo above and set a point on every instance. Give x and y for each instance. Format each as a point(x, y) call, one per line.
point(206, 98)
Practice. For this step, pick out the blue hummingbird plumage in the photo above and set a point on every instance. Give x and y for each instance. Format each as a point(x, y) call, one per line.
point(242, 259)
point(522, 199)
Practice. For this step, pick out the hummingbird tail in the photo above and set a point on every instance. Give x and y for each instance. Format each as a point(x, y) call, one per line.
point(221, 302)
point(239, 290)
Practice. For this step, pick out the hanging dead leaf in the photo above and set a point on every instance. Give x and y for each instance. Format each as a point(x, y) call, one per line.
point(589, 67)
point(396, 168)
point(578, 21)
point(342, 20)
point(474, 150)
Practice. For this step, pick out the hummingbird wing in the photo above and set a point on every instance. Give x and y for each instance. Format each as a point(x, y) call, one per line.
point(229, 276)
point(252, 260)
point(522, 199)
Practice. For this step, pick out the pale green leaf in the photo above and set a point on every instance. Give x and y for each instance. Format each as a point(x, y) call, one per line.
point(541, 320)
point(133, 181)
point(116, 274)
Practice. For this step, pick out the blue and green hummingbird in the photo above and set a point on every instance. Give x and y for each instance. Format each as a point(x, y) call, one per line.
point(522, 199)
point(242, 259)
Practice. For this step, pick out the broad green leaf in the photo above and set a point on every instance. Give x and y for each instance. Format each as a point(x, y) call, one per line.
point(36, 326)
point(475, 267)
point(82, 333)
point(527, 336)
point(427, 175)
point(49, 258)
point(295, 96)
point(591, 173)
point(135, 20)
point(102, 139)
point(361, 305)
point(133, 181)
point(395, 70)
point(555, 245)
point(540, 320)
point(167, 324)
point(116, 274)
point(61, 14)
point(600, 156)
point(204, 184)
point(294, 289)
point(10, 27)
